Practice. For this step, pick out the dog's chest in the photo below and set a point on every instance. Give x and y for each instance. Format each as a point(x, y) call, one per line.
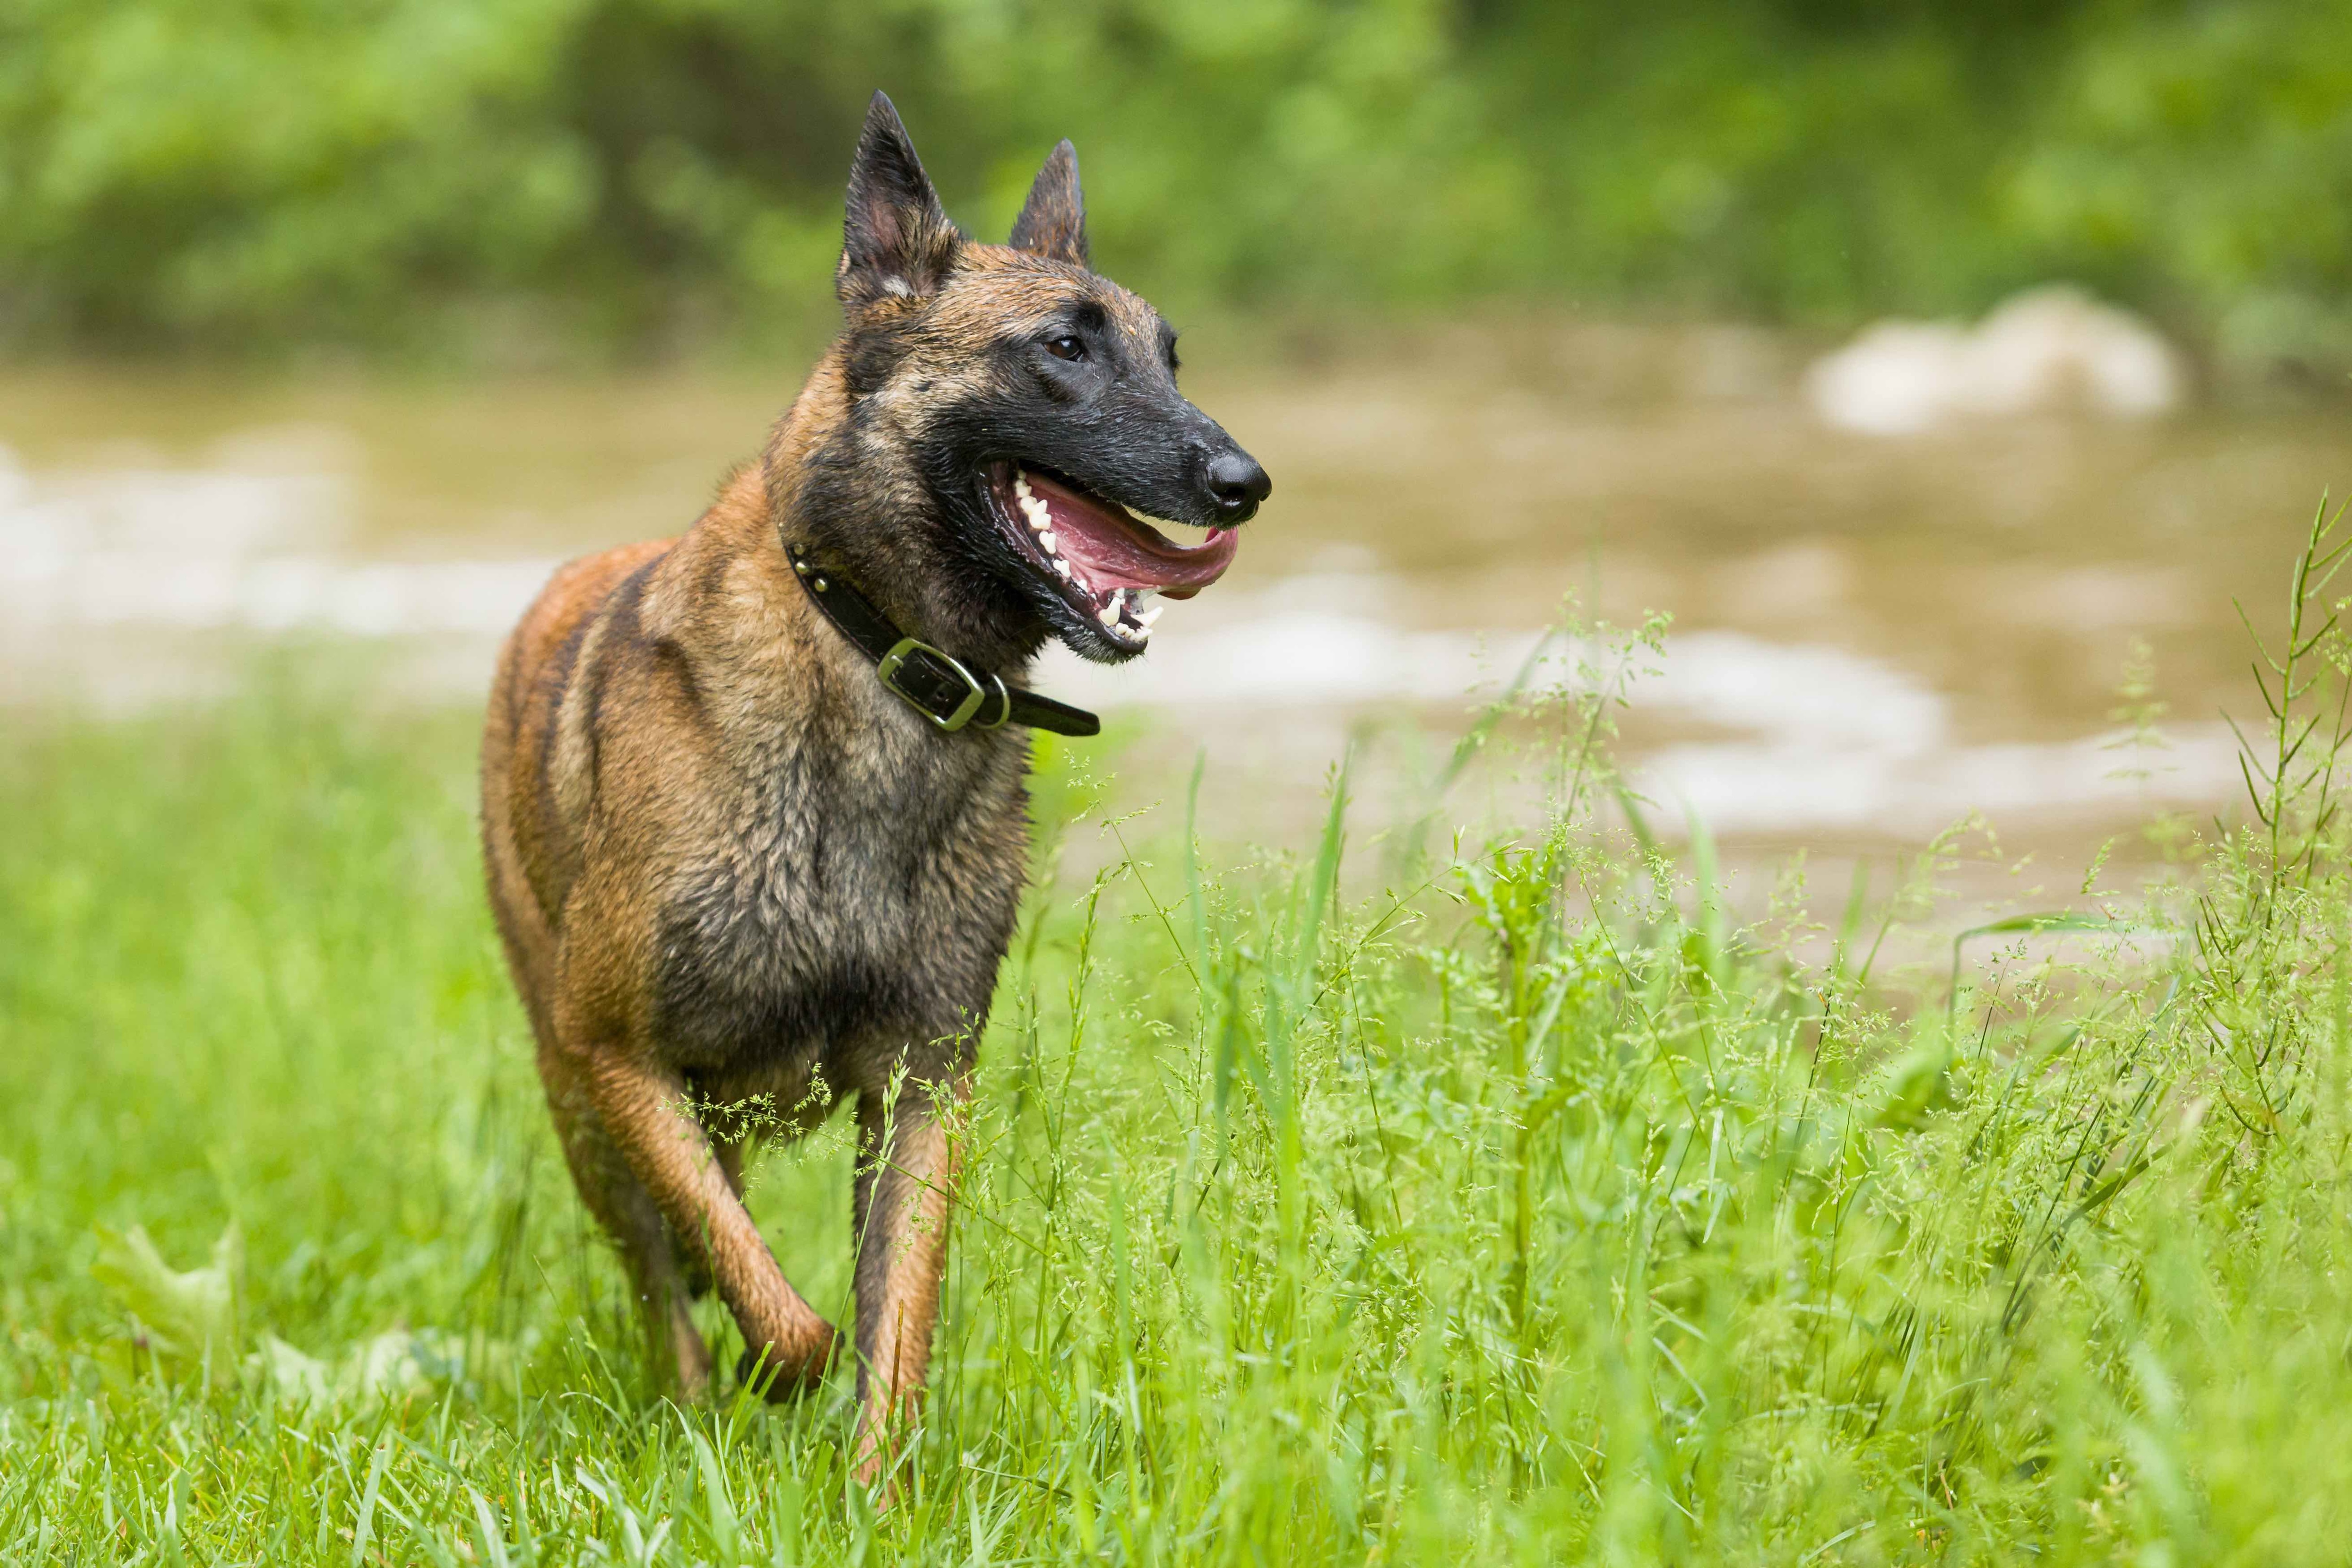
point(847, 898)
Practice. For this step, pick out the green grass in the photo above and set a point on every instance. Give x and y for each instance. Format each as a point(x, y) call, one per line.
point(1498, 1203)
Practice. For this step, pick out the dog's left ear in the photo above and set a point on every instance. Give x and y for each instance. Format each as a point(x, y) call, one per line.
point(895, 237)
point(1054, 221)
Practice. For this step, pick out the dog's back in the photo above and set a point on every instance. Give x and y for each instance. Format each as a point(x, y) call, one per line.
point(519, 824)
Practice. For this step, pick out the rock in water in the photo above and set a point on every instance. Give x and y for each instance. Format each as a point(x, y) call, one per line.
point(2047, 350)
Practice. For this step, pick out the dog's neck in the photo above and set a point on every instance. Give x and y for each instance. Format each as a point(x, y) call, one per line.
point(840, 488)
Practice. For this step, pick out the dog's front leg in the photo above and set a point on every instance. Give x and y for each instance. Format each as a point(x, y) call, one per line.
point(645, 1107)
point(908, 1162)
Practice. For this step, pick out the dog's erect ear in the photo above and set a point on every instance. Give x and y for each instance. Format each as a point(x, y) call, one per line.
point(895, 238)
point(1054, 221)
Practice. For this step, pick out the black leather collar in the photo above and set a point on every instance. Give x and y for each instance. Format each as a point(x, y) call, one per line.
point(940, 688)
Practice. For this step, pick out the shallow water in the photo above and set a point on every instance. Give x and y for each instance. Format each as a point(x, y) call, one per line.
point(1872, 636)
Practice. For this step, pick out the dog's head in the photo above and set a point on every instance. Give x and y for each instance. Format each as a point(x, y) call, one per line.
point(1027, 408)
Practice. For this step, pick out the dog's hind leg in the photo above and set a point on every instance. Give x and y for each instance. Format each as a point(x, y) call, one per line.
point(907, 1168)
point(671, 1155)
point(649, 1249)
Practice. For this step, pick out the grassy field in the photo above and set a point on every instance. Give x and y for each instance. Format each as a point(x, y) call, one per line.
point(1408, 1197)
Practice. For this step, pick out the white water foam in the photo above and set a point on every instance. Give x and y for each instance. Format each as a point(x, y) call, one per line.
point(209, 550)
point(1824, 738)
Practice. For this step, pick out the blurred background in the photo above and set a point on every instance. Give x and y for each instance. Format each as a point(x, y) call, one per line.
point(1942, 371)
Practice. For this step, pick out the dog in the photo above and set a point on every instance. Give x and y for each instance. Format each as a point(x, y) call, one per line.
point(754, 807)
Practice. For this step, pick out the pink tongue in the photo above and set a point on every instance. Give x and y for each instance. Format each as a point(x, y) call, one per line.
point(1118, 552)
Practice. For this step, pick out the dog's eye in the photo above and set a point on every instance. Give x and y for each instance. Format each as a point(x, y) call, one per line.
point(1066, 348)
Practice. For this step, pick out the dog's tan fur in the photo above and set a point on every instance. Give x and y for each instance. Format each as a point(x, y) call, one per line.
point(730, 867)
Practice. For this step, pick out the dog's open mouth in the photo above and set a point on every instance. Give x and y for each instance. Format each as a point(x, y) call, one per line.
point(1110, 564)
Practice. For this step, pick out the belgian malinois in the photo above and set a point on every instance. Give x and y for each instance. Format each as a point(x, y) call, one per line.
point(753, 799)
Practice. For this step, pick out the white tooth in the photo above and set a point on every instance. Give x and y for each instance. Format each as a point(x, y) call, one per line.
point(1020, 485)
point(1144, 618)
point(1109, 616)
point(1062, 566)
point(1141, 633)
point(1046, 539)
point(1039, 517)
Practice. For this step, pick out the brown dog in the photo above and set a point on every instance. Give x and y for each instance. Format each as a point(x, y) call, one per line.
point(735, 862)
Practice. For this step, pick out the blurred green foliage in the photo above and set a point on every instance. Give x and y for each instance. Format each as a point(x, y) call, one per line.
point(224, 172)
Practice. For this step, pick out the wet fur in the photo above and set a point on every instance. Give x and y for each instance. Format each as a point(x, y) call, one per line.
point(727, 865)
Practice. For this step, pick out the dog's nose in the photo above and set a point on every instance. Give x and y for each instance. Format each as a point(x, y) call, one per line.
point(1238, 484)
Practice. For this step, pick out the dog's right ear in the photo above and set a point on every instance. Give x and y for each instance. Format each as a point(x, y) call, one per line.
point(895, 238)
point(1052, 223)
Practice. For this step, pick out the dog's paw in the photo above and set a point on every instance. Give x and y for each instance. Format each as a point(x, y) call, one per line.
point(779, 1375)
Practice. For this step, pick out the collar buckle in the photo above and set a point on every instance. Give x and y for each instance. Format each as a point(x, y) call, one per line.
point(926, 679)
